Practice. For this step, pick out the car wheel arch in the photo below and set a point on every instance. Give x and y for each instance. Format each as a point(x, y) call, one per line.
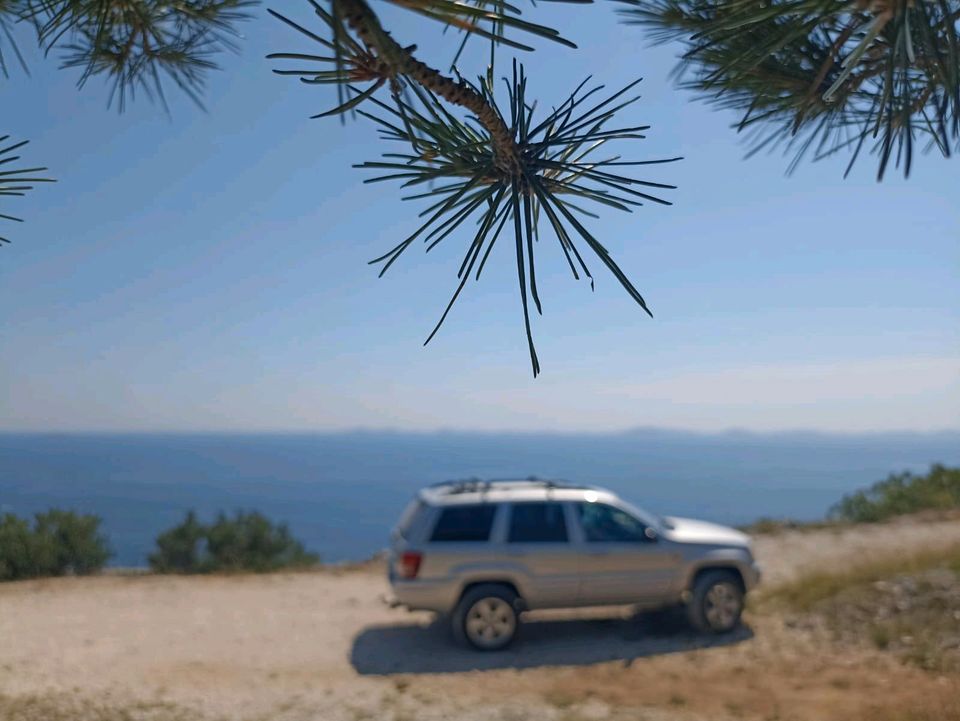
point(507, 583)
point(710, 567)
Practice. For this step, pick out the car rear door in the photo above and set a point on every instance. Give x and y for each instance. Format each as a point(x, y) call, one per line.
point(537, 544)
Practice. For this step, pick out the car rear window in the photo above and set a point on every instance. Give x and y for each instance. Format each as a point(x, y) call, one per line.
point(537, 523)
point(464, 523)
point(411, 515)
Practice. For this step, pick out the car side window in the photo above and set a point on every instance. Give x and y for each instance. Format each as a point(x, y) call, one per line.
point(605, 524)
point(411, 516)
point(537, 523)
point(464, 523)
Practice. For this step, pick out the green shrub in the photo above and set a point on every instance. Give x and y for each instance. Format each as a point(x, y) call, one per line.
point(248, 541)
point(58, 543)
point(179, 550)
point(21, 556)
point(77, 544)
point(902, 493)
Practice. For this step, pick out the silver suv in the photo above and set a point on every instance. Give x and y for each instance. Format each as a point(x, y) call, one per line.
point(484, 552)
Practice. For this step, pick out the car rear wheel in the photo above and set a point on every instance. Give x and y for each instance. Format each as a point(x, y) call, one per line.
point(716, 602)
point(487, 617)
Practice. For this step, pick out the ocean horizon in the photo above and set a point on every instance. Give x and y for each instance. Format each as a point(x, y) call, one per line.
point(340, 492)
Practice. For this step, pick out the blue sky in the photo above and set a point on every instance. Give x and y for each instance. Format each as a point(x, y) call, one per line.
point(208, 270)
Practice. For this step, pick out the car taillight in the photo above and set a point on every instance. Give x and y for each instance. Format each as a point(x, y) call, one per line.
point(409, 565)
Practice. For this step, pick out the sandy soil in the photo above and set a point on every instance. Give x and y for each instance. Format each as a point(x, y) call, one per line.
point(324, 646)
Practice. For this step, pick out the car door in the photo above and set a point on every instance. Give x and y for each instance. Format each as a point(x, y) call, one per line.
point(537, 543)
point(622, 560)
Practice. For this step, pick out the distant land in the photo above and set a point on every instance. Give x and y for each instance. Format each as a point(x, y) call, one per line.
point(341, 492)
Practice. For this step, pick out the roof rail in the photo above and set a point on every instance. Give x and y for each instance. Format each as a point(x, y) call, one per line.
point(461, 486)
point(474, 485)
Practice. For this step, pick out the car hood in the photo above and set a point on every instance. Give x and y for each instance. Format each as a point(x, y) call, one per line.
point(689, 530)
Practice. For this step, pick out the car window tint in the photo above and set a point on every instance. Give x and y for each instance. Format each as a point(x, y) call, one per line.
point(411, 515)
point(602, 523)
point(464, 523)
point(537, 523)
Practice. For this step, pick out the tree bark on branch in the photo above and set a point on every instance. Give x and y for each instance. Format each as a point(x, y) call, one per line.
point(364, 22)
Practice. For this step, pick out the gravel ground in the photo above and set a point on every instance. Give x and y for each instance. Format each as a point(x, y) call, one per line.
point(323, 645)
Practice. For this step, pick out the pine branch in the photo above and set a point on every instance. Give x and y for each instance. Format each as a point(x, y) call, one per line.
point(817, 77)
point(495, 168)
point(15, 182)
point(401, 61)
point(136, 44)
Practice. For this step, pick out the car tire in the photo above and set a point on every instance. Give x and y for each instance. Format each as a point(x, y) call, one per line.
point(487, 617)
point(716, 602)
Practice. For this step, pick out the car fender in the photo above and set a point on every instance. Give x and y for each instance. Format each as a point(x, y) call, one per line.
point(469, 574)
point(720, 558)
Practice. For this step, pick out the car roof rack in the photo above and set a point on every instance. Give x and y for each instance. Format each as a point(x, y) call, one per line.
point(477, 485)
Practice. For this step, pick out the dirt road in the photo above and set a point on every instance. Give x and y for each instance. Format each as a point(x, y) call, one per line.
point(322, 646)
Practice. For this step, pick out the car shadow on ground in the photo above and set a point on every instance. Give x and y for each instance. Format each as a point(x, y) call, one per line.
point(398, 649)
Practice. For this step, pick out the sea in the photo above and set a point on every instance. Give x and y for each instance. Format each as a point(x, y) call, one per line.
point(340, 493)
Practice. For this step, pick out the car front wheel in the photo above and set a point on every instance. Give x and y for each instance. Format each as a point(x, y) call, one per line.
point(716, 602)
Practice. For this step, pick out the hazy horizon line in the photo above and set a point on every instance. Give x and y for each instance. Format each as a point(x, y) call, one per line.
point(393, 430)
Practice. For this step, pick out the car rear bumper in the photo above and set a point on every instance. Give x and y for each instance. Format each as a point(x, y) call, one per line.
point(422, 595)
point(425, 595)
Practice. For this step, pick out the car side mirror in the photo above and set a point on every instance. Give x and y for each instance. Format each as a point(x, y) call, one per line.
point(650, 533)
